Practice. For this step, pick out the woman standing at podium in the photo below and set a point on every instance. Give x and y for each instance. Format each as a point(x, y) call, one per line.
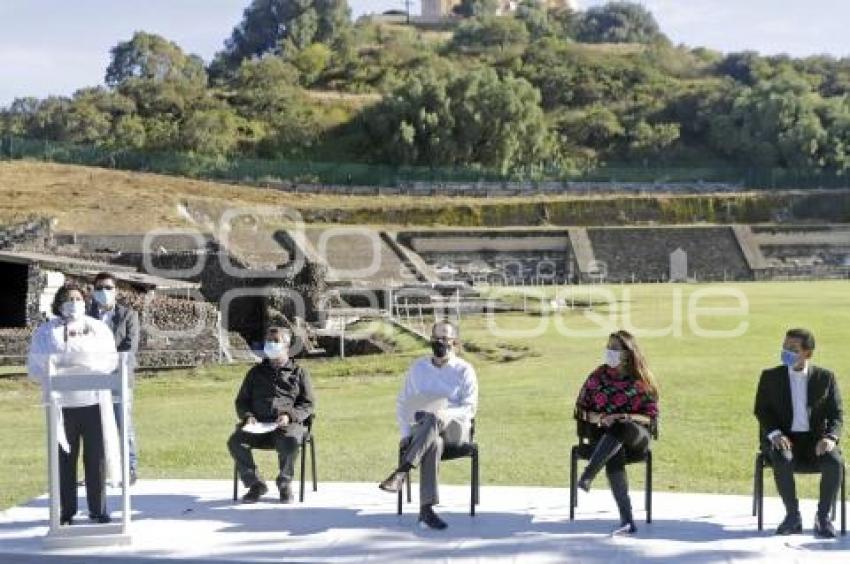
point(85, 345)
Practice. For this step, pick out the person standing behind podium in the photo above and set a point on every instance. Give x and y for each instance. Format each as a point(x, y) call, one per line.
point(798, 406)
point(124, 323)
point(621, 398)
point(86, 345)
point(442, 375)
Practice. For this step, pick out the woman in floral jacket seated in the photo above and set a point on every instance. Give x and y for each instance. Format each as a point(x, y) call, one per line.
point(620, 398)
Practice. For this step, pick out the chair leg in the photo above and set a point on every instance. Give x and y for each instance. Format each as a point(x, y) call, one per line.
point(477, 480)
point(313, 462)
point(473, 488)
point(406, 479)
point(755, 485)
point(573, 478)
point(303, 467)
point(843, 499)
point(235, 484)
point(760, 493)
point(399, 504)
point(649, 487)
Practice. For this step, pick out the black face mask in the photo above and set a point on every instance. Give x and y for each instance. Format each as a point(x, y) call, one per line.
point(439, 348)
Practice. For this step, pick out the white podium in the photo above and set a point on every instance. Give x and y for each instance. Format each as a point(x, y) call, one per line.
point(60, 380)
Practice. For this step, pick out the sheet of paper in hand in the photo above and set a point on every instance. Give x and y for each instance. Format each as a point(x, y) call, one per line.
point(259, 428)
point(423, 402)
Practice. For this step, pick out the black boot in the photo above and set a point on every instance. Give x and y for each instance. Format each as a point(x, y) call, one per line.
point(606, 448)
point(429, 519)
point(620, 488)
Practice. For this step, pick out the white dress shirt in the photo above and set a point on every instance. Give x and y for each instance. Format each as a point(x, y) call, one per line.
point(106, 315)
point(798, 380)
point(455, 380)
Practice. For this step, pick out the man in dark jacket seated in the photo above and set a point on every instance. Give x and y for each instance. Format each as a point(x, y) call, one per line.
point(799, 410)
point(276, 391)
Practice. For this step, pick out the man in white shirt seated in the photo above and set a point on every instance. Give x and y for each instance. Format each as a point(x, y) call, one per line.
point(435, 408)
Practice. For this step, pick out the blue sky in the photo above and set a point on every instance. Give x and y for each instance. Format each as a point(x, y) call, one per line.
point(57, 46)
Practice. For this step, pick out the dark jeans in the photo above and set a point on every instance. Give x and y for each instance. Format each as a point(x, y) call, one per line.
point(285, 441)
point(803, 449)
point(635, 439)
point(82, 424)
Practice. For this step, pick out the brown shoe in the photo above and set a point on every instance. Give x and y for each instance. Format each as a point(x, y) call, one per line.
point(394, 482)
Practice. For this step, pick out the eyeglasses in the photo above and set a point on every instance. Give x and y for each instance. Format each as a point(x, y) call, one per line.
point(104, 287)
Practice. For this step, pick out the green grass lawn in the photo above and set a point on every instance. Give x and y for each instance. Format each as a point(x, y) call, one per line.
point(708, 433)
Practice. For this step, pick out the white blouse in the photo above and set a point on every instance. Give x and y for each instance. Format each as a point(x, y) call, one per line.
point(82, 347)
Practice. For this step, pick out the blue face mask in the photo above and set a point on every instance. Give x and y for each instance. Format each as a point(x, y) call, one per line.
point(274, 350)
point(789, 358)
point(104, 298)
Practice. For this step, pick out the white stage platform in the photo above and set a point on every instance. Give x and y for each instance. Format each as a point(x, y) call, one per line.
point(195, 521)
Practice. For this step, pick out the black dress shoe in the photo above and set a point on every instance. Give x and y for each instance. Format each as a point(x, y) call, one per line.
point(823, 527)
point(255, 492)
point(66, 521)
point(429, 519)
point(286, 494)
point(791, 525)
point(393, 482)
point(102, 518)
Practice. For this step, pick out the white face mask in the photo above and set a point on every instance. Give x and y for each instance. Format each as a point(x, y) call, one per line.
point(275, 350)
point(612, 357)
point(74, 310)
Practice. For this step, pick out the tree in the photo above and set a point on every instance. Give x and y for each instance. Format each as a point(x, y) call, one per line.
point(91, 113)
point(212, 132)
point(311, 61)
point(598, 128)
point(476, 8)
point(746, 67)
point(618, 22)
point(652, 139)
point(159, 78)
point(267, 26)
point(474, 118)
point(533, 14)
point(489, 32)
point(129, 132)
point(151, 57)
point(774, 123)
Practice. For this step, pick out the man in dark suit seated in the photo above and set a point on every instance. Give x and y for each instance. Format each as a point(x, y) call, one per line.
point(798, 407)
point(275, 391)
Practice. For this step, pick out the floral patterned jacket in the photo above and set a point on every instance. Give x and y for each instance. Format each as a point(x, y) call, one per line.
point(607, 391)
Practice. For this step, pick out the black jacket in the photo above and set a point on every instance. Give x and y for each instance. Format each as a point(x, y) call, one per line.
point(268, 392)
point(774, 408)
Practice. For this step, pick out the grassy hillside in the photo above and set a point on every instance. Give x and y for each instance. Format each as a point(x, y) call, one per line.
point(96, 200)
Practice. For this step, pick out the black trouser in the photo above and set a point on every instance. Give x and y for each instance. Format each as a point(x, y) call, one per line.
point(285, 441)
point(803, 450)
point(635, 440)
point(82, 424)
